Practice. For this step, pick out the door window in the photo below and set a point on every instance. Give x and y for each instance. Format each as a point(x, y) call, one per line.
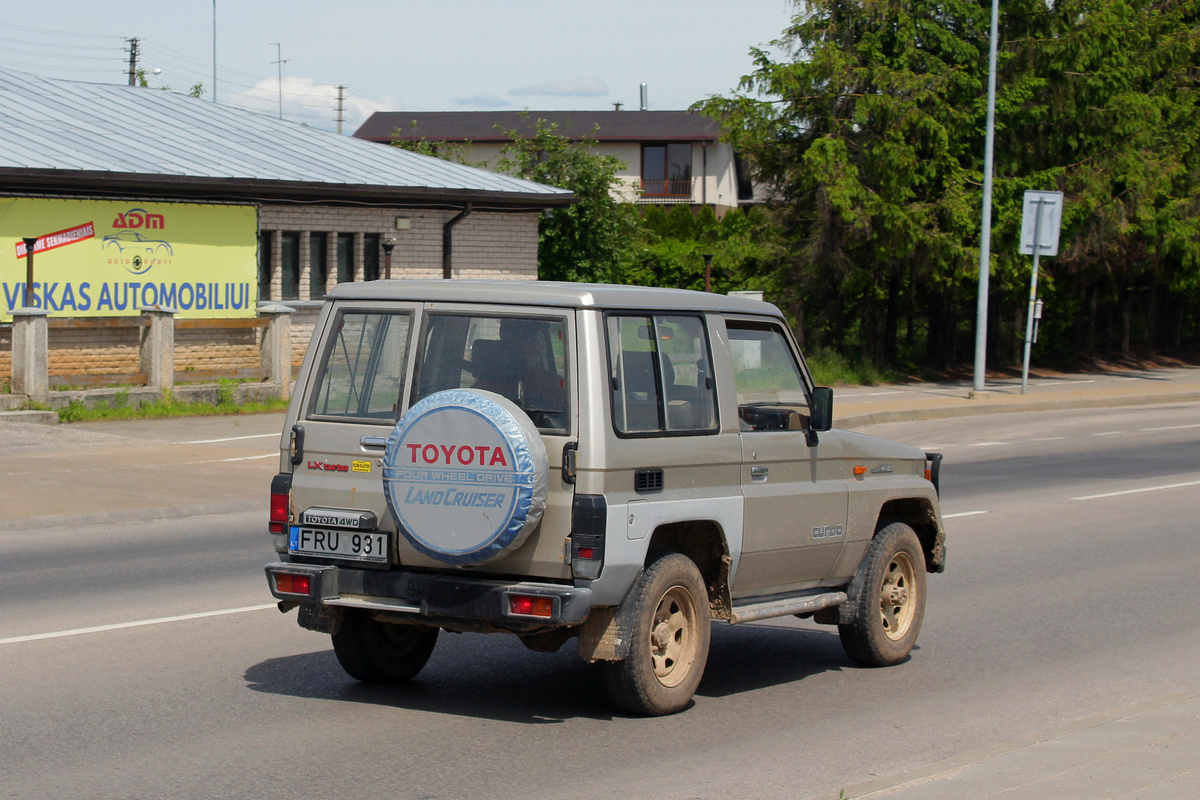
point(770, 386)
point(363, 368)
point(521, 358)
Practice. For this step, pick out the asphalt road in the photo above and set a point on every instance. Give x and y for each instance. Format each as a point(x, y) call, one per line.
point(1069, 592)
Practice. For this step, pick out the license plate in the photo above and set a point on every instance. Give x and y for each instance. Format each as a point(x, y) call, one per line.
point(351, 545)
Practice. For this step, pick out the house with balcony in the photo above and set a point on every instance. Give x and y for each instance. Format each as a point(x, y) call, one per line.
point(670, 157)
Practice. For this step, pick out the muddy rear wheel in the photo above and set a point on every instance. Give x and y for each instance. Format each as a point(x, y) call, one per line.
point(669, 644)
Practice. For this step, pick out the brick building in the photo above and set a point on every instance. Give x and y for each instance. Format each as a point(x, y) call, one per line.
point(142, 197)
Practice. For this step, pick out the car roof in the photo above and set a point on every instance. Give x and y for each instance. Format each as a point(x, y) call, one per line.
point(550, 293)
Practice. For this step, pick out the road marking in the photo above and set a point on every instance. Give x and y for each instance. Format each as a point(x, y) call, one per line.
point(1172, 427)
point(1047, 439)
point(1109, 433)
point(34, 637)
point(239, 458)
point(989, 444)
point(963, 514)
point(1137, 491)
point(231, 438)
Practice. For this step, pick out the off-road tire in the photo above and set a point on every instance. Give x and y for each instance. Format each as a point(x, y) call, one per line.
point(380, 652)
point(886, 599)
point(670, 633)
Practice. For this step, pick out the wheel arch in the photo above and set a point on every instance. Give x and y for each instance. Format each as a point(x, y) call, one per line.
point(921, 515)
point(704, 542)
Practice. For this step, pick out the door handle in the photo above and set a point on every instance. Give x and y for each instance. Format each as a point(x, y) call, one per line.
point(759, 473)
point(377, 442)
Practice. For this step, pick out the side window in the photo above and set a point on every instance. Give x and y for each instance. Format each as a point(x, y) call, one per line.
point(660, 375)
point(363, 367)
point(521, 358)
point(770, 388)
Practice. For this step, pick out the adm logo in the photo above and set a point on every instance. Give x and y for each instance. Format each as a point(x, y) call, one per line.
point(133, 249)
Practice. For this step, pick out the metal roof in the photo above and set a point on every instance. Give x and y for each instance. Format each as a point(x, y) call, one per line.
point(58, 133)
point(549, 293)
point(488, 126)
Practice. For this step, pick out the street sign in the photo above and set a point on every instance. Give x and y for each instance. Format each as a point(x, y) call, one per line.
point(1041, 218)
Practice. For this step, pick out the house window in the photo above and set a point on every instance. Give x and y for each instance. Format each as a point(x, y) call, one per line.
point(667, 170)
point(371, 257)
point(289, 257)
point(264, 265)
point(317, 259)
point(345, 257)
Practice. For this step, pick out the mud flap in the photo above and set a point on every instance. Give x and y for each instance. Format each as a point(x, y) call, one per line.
point(607, 633)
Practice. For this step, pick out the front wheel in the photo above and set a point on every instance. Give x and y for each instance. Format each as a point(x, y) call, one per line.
point(887, 599)
point(669, 645)
point(381, 652)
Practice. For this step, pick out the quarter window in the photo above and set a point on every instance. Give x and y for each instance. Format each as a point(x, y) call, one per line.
point(364, 368)
point(660, 377)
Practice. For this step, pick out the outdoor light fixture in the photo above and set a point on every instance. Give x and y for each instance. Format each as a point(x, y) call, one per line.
point(389, 243)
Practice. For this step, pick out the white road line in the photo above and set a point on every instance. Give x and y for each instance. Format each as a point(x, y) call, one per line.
point(1047, 439)
point(231, 438)
point(1137, 491)
point(963, 514)
point(1109, 433)
point(989, 444)
point(1172, 427)
point(34, 637)
point(239, 458)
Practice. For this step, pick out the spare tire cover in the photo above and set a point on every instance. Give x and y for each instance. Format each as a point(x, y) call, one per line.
point(466, 476)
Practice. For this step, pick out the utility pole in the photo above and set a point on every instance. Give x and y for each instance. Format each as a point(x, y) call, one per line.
point(985, 228)
point(214, 93)
point(280, 60)
point(133, 55)
point(341, 112)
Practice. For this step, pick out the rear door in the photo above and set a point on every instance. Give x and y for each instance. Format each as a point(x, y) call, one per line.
point(347, 411)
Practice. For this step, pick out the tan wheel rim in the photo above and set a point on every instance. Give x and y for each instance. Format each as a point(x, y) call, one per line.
point(897, 596)
point(673, 637)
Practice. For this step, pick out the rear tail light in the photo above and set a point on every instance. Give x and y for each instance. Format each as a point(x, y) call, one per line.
point(288, 583)
point(589, 517)
point(281, 501)
point(531, 605)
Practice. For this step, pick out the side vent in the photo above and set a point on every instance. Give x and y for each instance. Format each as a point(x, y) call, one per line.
point(648, 481)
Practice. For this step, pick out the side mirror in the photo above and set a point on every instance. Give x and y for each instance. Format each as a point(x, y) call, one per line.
point(822, 409)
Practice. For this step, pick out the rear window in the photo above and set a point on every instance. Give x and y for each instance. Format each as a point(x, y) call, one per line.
point(363, 368)
point(521, 358)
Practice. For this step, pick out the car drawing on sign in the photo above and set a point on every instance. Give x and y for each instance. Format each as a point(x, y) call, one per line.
point(617, 465)
point(132, 241)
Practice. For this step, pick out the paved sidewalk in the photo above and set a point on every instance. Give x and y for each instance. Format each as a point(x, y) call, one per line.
point(855, 407)
point(1147, 751)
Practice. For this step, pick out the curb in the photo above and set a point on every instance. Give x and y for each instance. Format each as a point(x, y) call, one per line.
point(30, 417)
point(916, 414)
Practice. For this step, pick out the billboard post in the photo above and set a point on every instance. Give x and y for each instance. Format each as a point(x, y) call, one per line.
point(30, 244)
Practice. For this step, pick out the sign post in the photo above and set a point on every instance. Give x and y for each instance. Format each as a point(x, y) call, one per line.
point(1041, 221)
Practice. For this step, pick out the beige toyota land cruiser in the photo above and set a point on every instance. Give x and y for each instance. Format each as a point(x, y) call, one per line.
point(614, 464)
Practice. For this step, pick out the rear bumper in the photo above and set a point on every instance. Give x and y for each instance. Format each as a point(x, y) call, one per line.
point(457, 603)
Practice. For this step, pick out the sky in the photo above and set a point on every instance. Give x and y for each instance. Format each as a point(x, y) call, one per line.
point(402, 55)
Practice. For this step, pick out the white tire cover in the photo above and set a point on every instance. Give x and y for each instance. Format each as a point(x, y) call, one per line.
point(466, 476)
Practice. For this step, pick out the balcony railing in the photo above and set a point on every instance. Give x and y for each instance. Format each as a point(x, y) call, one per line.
point(660, 189)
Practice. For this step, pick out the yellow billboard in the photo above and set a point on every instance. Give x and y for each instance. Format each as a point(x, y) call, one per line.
point(102, 258)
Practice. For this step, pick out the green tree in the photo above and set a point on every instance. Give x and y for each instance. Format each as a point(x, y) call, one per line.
point(593, 238)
